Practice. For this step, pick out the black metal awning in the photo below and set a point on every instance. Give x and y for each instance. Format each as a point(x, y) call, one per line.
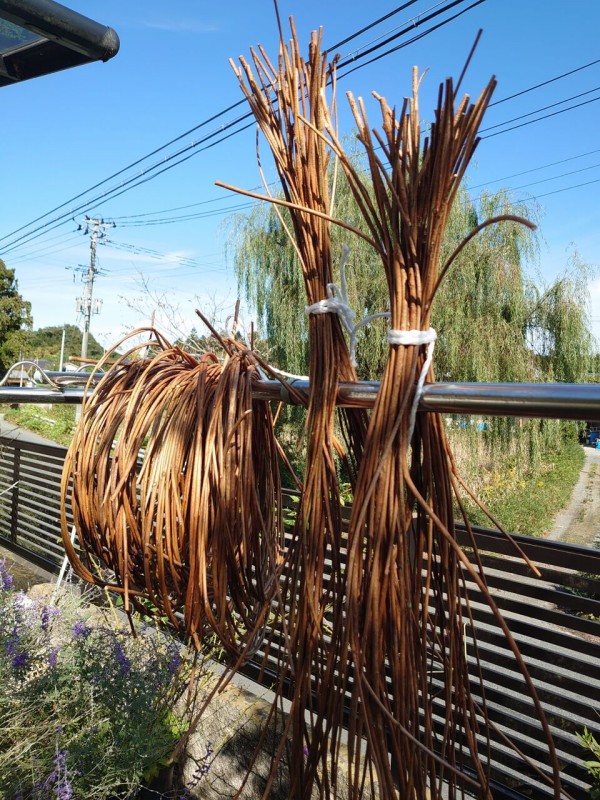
point(40, 36)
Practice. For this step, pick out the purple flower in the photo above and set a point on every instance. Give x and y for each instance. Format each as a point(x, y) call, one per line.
point(23, 602)
point(45, 618)
point(122, 660)
point(81, 630)
point(53, 657)
point(62, 787)
point(175, 661)
point(20, 660)
point(12, 642)
point(6, 579)
point(203, 767)
point(58, 780)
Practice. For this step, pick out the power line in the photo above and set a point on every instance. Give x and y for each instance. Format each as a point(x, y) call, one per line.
point(129, 166)
point(410, 41)
point(545, 180)
point(122, 220)
point(412, 22)
point(151, 253)
point(176, 139)
point(558, 191)
point(136, 180)
point(554, 178)
point(535, 169)
point(126, 185)
point(216, 212)
point(538, 110)
point(544, 83)
point(372, 25)
point(539, 119)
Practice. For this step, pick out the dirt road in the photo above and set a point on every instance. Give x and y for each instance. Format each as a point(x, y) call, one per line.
point(579, 522)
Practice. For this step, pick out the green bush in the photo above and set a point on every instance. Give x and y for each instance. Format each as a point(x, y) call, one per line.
point(590, 743)
point(86, 709)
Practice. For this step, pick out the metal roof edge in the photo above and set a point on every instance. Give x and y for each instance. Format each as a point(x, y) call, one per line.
point(58, 23)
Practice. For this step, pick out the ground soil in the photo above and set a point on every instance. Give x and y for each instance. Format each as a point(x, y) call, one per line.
point(579, 522)
point(25, 574)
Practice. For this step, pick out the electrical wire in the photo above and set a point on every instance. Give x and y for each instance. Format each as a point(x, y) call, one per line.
point(559, 191)
point(413, 24)
point(371, 25)
point(545, 83)
point(538, 110)
point(535, 169)
point(187, 217)
point(122, 220)
point(139, 179)
point(545, 180)
point(539, 119)
point(151, 172)
point(126, 185)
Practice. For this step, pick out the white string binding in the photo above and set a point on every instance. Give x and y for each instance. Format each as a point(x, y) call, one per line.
point(416, 337)
point(336, 302)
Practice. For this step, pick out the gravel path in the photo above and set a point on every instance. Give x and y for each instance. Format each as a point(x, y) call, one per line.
point(579, 522)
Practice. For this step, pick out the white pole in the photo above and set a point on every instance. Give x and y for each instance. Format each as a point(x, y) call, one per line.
point(62, 349)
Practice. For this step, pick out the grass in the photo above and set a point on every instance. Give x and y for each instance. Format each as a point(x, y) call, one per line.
point(56, 423)
point(529, 505)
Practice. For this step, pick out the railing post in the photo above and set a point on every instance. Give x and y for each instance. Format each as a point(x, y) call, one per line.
point(14, 511)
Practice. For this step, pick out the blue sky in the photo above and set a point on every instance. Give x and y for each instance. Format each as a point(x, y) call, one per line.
point(64, 133)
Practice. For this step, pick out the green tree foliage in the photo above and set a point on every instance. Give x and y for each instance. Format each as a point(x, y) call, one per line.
point(270, 277)
point(15, 314)
point(45, 344)
point(495, 322)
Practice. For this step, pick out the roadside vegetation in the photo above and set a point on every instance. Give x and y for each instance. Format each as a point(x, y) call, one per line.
point(86, 709)
point(56, 422)
point(526, 500)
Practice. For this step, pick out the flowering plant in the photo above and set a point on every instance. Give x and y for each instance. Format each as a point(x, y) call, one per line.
point(86, 709)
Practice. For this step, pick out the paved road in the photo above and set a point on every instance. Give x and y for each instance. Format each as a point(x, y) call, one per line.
point(579, 522)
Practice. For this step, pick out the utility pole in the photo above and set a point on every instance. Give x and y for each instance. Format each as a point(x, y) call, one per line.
point(96, 228)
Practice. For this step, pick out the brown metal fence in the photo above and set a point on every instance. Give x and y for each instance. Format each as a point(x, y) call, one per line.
point(30, 500)
point(555, 620)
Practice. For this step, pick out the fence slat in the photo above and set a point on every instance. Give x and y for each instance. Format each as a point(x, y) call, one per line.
point(562, 650)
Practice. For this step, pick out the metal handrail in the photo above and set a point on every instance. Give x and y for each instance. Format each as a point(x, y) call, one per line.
point(578, 401)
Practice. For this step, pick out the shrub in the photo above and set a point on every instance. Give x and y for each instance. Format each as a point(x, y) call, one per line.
point(86, 709)
point(588, 741)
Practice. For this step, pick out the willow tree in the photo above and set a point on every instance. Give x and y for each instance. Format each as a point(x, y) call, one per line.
point(269, 276)
point(495, 322)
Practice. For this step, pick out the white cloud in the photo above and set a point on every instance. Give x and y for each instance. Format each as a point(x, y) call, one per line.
point(181, 26)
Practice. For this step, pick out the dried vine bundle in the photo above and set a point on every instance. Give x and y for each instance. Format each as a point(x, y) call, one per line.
point(291, 109)
point(407, 607)
point(174, 483)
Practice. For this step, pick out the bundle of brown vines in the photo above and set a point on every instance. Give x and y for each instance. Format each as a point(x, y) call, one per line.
point(407, 606)
point(400, 613)
point(174, 485)
point(290, 106)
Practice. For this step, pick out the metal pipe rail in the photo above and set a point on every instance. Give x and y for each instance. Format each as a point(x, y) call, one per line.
point(577, 401)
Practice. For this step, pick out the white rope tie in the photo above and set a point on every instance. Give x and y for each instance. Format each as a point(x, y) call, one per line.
point(416, 338)
point(336, 302)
